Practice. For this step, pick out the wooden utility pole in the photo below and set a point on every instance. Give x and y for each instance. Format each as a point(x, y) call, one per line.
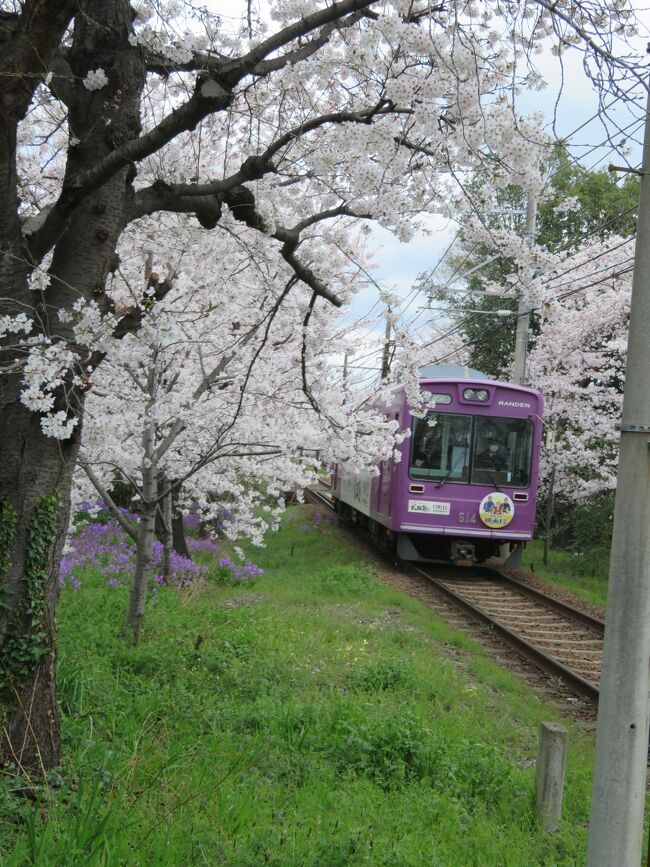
point(618, 796)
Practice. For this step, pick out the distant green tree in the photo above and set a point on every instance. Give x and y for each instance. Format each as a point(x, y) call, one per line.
point(606, 208)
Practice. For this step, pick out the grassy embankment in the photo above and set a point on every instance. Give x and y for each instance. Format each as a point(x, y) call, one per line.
point(581, 574)
point(313, 718)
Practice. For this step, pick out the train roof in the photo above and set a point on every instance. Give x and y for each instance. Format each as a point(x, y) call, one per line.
point(432, 373)
point(451, 371)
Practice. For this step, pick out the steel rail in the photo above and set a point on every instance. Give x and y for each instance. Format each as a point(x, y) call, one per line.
point(549, 664)
point(319, 498)
point(549, 601)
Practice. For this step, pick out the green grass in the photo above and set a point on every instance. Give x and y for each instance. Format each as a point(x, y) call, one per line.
point(582, 575)
point(323, 720)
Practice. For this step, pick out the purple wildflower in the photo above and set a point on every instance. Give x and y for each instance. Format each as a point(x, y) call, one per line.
point(247, 572)
point(193, 518)
point(207, 544)
point(106, 547)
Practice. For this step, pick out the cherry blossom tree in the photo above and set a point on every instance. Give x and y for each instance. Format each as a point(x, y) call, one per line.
point(578, 363)
point(226, 396)
point(114, 111)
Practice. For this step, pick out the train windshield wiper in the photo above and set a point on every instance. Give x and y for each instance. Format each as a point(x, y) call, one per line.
point(450, 473)
point(492, 479)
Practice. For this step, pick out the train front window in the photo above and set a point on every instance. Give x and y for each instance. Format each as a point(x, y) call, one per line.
point(440, 448)
point(502, 451)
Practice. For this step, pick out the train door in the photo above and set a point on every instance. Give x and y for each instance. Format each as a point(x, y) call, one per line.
point(385, 483)
point(383, 487)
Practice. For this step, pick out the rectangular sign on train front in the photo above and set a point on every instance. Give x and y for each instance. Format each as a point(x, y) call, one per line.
point(429, 507)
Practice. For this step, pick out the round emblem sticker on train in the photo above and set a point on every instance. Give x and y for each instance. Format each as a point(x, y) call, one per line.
point(496, 510)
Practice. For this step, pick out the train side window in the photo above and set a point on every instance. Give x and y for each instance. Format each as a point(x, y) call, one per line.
point(502, 451)
point(440, 447)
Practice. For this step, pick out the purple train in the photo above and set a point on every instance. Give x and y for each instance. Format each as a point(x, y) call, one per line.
point(466, 486)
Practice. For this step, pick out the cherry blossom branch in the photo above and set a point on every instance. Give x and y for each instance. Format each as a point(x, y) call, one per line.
point(161, 196)
point(132, 319)
point(242, 205)
point(211, 94)
point(206, 384)
point(570, 20)
point(241, 202)
point(270, 318)
point(304, 273)
point(214, 62)
point(303, 26)
point(303, 357)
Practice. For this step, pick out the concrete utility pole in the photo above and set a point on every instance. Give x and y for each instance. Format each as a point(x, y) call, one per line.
point(523, 311)
point(616, 824)
point(385, 358)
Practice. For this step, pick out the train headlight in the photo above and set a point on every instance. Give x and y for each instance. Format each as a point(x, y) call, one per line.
point(476, 394)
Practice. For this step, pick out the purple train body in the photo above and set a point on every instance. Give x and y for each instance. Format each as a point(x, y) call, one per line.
point(466, 485)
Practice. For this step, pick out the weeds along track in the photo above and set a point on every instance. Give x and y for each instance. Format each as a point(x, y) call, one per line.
point(558, 639)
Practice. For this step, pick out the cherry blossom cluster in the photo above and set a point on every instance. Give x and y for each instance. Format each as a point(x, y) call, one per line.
point(95, 79)
point(214, 373)
point(578, 363)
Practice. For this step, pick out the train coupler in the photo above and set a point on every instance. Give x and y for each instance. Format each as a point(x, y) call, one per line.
point(463, 554)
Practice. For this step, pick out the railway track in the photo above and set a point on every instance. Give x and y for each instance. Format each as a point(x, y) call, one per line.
point(556, 637)
point(560, 640)
point(320, 498)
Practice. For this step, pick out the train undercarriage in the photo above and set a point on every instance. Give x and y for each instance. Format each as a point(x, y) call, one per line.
point(431, 548)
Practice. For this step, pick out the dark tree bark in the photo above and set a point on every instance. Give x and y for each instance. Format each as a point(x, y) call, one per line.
point(35, 478)
point(81, 229)
point(35, 473)
point(36, 470)
point(179, 542)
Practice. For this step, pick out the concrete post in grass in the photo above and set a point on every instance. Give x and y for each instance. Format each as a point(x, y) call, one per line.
point(551, 762)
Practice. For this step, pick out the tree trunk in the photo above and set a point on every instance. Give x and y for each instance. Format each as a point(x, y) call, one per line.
point(138, 596)
point(146, 529)
point(178, 529)
point(178, 541)
point(35, 479)
point(167, 540)
point(36, 471)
